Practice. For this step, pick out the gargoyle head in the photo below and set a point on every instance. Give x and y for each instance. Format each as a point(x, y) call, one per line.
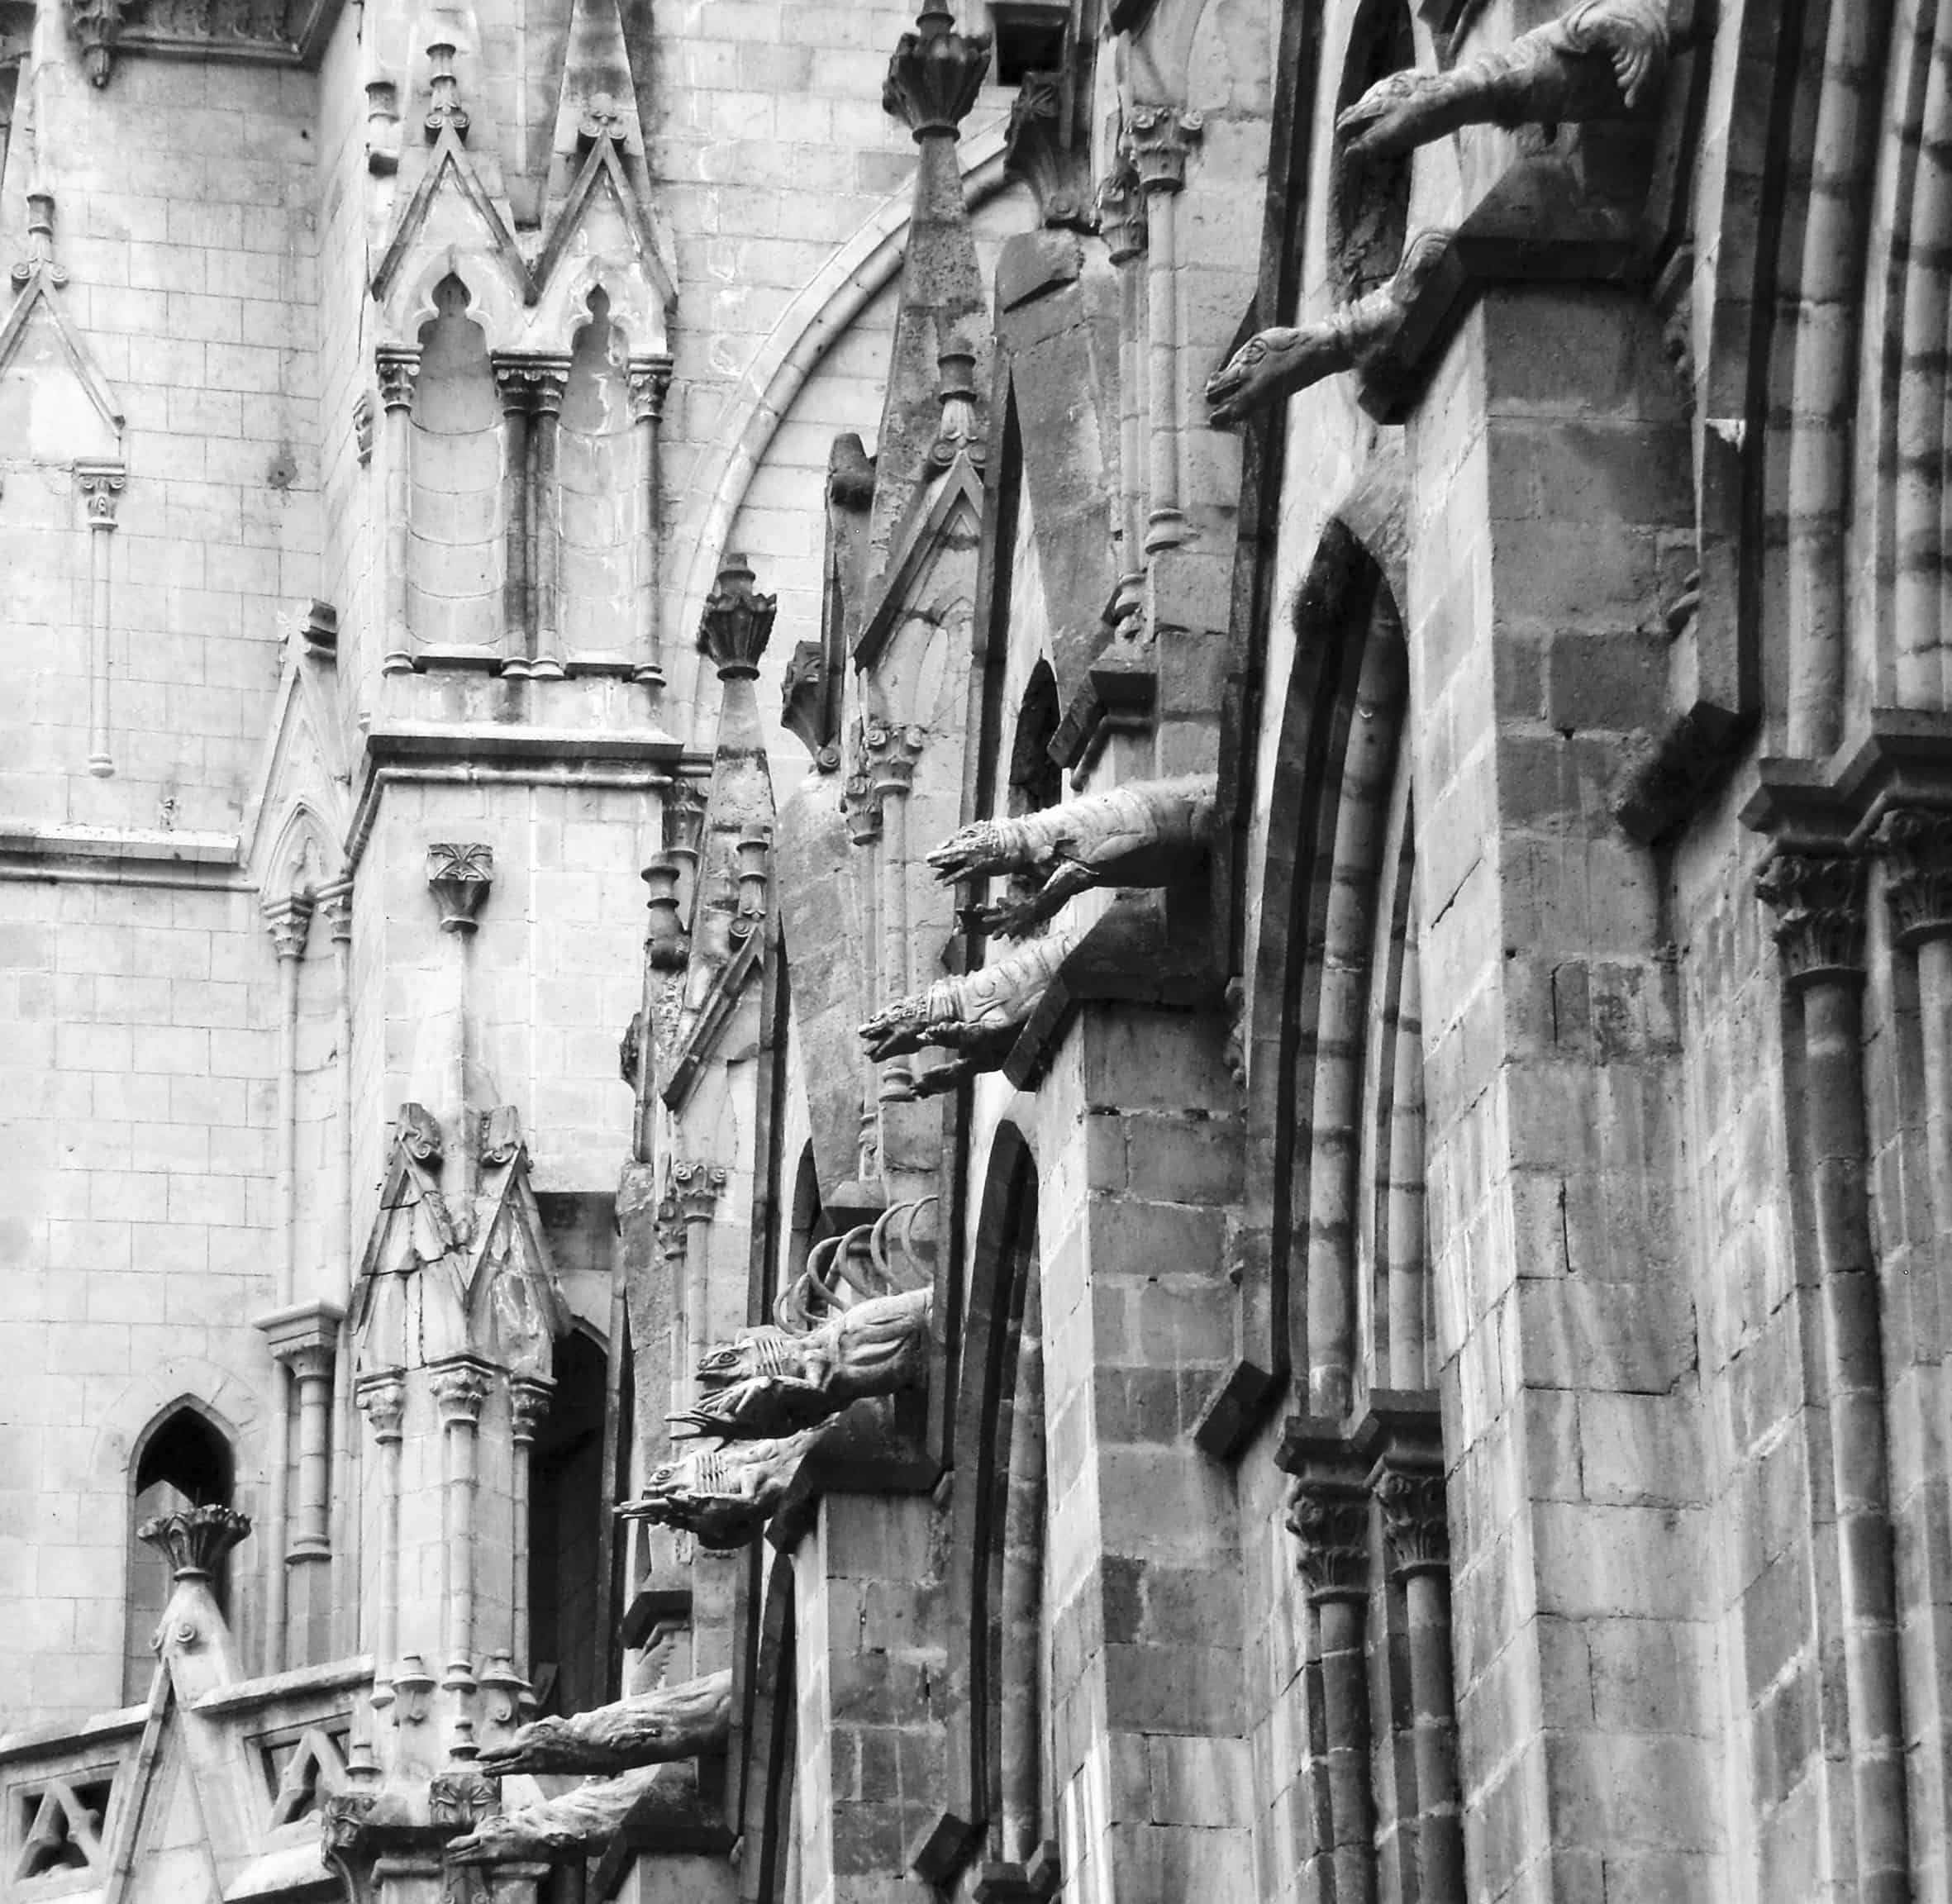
point(898, 1031)
point(977, 849)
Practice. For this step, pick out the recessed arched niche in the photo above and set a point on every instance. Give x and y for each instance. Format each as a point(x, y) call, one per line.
point(183, 1460)
point(454, 572)
point(595, 480)
point(1369, 201)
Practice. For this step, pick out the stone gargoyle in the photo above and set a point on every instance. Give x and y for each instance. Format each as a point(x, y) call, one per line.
point(1600, 61)
point(770, 1381)
point(978, 1013)
point(563, 1828)
point(1139, 834)
point(1272, 364)
point(653, 1729)
point(723, 1497)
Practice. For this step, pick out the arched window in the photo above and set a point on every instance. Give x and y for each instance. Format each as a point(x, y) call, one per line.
point(454, 565)
point(566, 1504)
point(184, 1461)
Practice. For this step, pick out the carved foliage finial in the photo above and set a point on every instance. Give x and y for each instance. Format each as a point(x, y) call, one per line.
point(1916, 845)
point(1037, 149)
point(935, 74)
point(1818, 900)
point(195, 1538)
point(458, 875)
point(445, 112)
point(737, 622)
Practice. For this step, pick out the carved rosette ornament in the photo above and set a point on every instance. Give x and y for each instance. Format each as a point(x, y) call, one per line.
point(1160, 140)
point(195, 1538)
point(1415, 1524)
point(458, 875)
point(1037, 150)
point(1916, 845)
point(1331, 1520)
point(1818, 900)
point(737, 622)
point(934, 75)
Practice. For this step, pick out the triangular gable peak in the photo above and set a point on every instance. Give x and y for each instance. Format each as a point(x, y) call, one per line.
point(451, 224)
point(300, 803)
point(413, 1232)
point(931, 582)
point(54, 423)
point(516, 1306)
point(604, 234)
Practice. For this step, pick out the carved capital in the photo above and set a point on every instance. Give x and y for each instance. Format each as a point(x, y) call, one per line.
point(382, 1397)
point(1818, 900)
point(101, 485)
point(396, 366)
point(696, 1186)
point(1038, 149)
point(1916, 844)
point(737, 622)
point(445, 112)
point(531, 382)
point(528, 1403)
point(859, 799)
point(334, 905)
point(1160, 139)
point(459, 1389)
point(195, 1538)
point(98, 25)
point(650, 378)
point(460, 874)
point(934, 75)
point(289, 921)
point(1121, 210)
point(1331, 1518)
point(892, 755)
point(1409, 1494)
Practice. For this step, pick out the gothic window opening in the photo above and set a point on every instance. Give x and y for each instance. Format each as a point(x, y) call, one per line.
point(1029, 38)
point(184, 1462)
point(809, 1222)
point(1369, 201)
point(567, 1497)
point(452, 566)
point(1037, 781)
point(595, 492)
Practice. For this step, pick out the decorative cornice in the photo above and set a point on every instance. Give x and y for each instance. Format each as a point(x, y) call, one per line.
point(1160, 139)
point(1410, 1494)
point(1331, 1517)
point(458, 875)
point(1818, 899)
point(935, 74)
point(1037, 150)
point(737, 622)
point(195, 1538)
point(1916, 845)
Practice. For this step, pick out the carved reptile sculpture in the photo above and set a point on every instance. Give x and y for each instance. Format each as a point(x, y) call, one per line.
point(562, 1828)
point(770, 1381)
point(1597, 61)
point(1138, 835)
point(1272, 364)
point(978, 1013)
point(725, 1496)
point(653, 1729)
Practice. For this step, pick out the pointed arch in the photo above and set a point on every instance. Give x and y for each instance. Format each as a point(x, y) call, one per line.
point(185, 1458)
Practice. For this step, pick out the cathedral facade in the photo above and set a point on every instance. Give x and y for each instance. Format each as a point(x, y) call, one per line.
point(992, 956)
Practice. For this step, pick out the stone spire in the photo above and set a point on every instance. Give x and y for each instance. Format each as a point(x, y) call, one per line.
point(933, 78)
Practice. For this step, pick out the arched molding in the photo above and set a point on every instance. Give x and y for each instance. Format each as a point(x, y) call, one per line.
point(495, 300)
point(806, 330)
point(222, 1397)
point(1001, 1261)
point(304, 828)
point(636, 310)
